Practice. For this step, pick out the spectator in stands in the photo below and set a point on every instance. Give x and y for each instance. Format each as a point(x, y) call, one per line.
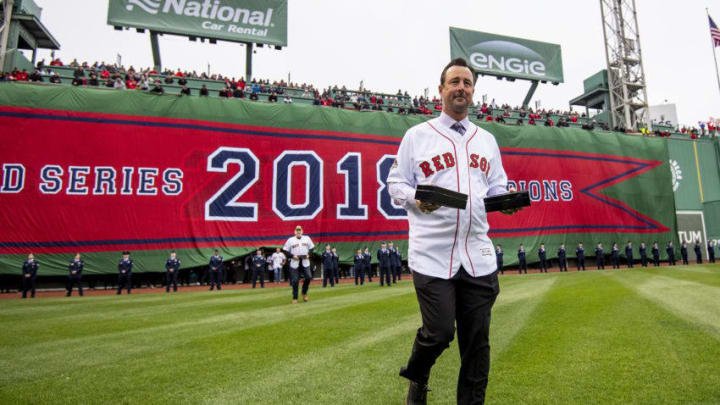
point(489, 118)
point(78, 81)
point(238, 93)
point(225, 93)
point(254, 94)
point(531, 121)
point(549, 122)
point(3, 77)
point(168, 79)
point(119, 84)
point(143, 83)
point(204, 91)
point(22, 76)
point(182, 81)
point(287, 99)
point(316, 100)
point(402, 110)
point(272, 98)
point(131, 84)
point(519, 121)
point(56, 62)
point(36, 77)
point(500, 119)
point(110, 83)
point(93, 80)
point(78, 72)
point(157, 89)
point(185, 91)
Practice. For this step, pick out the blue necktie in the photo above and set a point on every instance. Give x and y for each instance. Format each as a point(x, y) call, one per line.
point(459, 128)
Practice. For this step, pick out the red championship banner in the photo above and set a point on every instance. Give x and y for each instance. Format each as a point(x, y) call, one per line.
point(100, 182)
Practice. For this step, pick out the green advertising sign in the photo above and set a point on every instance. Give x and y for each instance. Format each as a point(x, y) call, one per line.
point(259, 21)
point(498, 55)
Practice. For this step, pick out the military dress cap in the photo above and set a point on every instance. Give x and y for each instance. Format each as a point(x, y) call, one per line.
point(126, 252)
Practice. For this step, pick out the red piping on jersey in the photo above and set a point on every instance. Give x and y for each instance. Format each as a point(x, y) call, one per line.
point(457, 175)
point(467, 156)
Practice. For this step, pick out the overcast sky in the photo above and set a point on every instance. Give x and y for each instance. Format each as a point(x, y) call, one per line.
point(394, 44)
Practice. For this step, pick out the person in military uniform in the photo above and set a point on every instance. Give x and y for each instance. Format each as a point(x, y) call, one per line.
point(698, 253)
point(615, 256)
point(396, 262)
point(172, 269)
point(684, 253)
point(125, 266)
point(656, 254)
point(258, 268)
point(328, 265)
point(359, 266)
point(580, 253)
point(383, 257)
point(368, 263)
point(629, 254)
point(562, 257)
point(522, 264)
point(216, 269)
point(670, 249)
point(29, 272)
point(711, 251)
point(599, 257)
point(499, 258)
point(643, 255)
point(336, 265)
point(542, 255)
point(393, 260)
point(75, 269)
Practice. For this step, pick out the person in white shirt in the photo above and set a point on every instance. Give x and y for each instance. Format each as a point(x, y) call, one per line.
point(452, 259)
point(278, 260)
point(298, 247)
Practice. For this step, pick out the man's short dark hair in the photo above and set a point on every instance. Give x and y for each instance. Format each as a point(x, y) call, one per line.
point(456, 62)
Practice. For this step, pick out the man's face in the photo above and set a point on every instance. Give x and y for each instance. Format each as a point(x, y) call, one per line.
point(277, 250)
point(172, 255)
point(298, 233)
point(31, 256)
point(125, 257)
point(258, 252)
point(458, 89)
point(77, 256)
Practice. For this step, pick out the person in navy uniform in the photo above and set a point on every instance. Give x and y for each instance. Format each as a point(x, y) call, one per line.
point(499, 258)
point(698, 253)
point(580, 253)
point(656, 254)
point(125, 266)
point(336, 265)
point(684, 253)
point(383, 257)
point(522, 264)
point(368, 263)
point(258, 268)
point(29, 272)
point(172, 269)
point(393, 259)
point(615, 256)
point(328, 264)
point(542, 255)
point(643, 255)
point(711, 251)
point(75, 269)
point(599, 257)
point(359, 266)
point(629, 254)
point(396, 262)
point(670, 249)
point(216, 269)
point(562, 257)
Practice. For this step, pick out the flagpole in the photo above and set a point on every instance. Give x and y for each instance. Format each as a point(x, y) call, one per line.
point(712, 43)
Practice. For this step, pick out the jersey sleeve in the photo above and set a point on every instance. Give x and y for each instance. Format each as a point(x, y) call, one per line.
point(497, 181)
point(286, 247)
point(401, 179)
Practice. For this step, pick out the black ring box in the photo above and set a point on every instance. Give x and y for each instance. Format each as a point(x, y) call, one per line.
point(441, 196)
point(507, 201)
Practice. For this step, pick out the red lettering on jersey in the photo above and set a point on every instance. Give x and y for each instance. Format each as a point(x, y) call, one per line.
point(483, 164)
point(449, 160)
point(474, 160)
point(427, 171)
point(437, 163)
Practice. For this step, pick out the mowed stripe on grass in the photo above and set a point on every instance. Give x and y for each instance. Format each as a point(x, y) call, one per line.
point(591, 337)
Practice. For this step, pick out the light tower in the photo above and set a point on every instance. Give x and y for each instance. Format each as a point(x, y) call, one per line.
point(626, 75)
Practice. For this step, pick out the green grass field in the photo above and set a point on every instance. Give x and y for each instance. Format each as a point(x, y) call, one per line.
point(639, 336)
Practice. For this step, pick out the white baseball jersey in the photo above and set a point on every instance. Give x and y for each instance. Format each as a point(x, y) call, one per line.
point(299, 247)
point(444, 240)
point(277, 260)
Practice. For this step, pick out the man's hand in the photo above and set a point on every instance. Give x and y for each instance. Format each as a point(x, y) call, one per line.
point(74, 272)
point(426, 207)
point(512, 210)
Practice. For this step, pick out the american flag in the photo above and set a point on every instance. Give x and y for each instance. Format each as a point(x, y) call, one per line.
point(714, 32)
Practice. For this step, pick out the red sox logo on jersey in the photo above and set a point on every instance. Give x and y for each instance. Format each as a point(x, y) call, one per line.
point(437, 162)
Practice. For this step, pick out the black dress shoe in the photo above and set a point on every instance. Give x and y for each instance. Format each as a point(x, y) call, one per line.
point(417, 394)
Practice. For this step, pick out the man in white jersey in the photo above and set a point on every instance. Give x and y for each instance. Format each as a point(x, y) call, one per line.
point(450, 255)
point(278, 259)
point(298, 248)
